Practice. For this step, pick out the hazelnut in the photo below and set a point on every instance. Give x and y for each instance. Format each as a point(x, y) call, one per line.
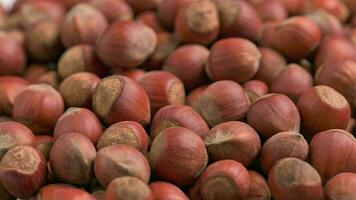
point(38, 106)
point(234, 59)
point(188, 64)
point(178, 115)
point(79, 120)
point(117, 98)
point(273, 113)
point(72, 157)
point(134, 43)
point(322, 108)
point(23, 171)
point(126, 132)
point(77, 89)
point(118, 161)
point(174, 159)
point(223, 101)
point(233, 140)
point(83, 24)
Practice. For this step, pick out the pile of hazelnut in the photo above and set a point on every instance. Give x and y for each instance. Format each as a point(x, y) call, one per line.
point(178, 100)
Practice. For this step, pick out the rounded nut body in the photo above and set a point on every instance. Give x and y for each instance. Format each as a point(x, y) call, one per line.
point(126, 132)
point(273, 113)
point(10, 87)
point(83, 24)
point(291, 178)
point(134, 43)
point(225, 179)
point(341, 186)
point(23, 171)
point(283, 145)
point(120, 160)
point(223, 101)
point(198, 22)
point(38, 107)
point(323, 108)
point(297, 37)
point(128, 188)
point(188, 64)
point(72, 157)
point(178, 155)
point(233, 140)
point(77, 89)
point(62, 191)
point(234, 59)
point(333, 146)
point(118, 98)
point(178, 115)
point(80, 120)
